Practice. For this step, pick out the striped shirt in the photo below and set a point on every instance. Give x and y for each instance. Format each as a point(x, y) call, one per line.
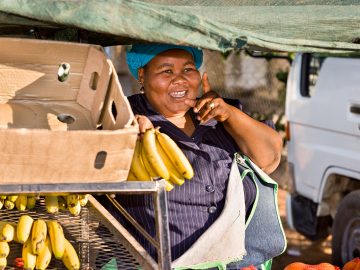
point(195, 205)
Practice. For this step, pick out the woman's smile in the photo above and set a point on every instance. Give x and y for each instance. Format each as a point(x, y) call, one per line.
point(178, 94)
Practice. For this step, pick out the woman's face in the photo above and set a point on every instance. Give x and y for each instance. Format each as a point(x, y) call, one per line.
point(169, 79)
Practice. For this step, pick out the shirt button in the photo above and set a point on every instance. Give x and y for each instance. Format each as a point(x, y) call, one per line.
point(212, 209)
point(209, 188)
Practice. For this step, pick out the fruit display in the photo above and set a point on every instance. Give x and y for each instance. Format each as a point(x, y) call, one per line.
point(251, 267)
point(41, 240)
point(156, 155)
point(354, 264)
point(53, 203)
point(303, 266)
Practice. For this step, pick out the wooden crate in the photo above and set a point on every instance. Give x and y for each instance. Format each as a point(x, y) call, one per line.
point(62, 129)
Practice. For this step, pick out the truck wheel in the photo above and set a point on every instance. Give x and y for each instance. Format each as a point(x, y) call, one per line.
point(346, 230)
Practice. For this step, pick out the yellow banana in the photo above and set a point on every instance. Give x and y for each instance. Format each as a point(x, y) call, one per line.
point(168, 185)
point(73, 204)
point(9, 205)
point(57, 238)
point(70, 258)
point(44, 257)
point(3, 263)
point(62, 203)
point(12, 198)
point(23, 229)
point(2, 225)
point(3, 197)
point(83, 199)
point(175, 176)
point(21, 202)
point(137, 165)
point(51, 204)
point(7, 233)
point(153, 156)
point(38, 236)
point(28, 257)
point(75, 209)
point(31, 202)
point(4, 249)
point(147, 165)
point(1, 203)
point(72, 200)
point(175, 154)
point(131, 177)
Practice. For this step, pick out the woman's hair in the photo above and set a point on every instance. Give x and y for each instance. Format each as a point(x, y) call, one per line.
point(141, 54)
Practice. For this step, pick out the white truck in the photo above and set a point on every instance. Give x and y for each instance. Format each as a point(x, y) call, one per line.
point(323, 131)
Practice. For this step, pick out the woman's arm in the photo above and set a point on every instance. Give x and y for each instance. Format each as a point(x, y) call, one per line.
point(256, 140)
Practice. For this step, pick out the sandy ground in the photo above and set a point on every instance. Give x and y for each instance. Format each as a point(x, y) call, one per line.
point(299, 249)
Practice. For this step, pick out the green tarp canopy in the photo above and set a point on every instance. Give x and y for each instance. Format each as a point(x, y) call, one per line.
point(276, 25)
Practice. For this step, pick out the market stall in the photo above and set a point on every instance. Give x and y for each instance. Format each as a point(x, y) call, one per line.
point(49, 26)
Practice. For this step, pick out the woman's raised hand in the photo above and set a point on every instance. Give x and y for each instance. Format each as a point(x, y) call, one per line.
point(210, 104)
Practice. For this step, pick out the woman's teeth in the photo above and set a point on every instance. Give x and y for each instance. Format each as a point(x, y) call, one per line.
point(178, 94)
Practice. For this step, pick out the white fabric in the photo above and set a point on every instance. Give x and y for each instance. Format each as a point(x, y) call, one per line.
point(224, 241)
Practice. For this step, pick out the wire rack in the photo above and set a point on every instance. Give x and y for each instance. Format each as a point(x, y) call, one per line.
point(94, 242)
point(87, 231)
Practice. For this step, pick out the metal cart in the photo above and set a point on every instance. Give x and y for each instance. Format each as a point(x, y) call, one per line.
point(100, 240)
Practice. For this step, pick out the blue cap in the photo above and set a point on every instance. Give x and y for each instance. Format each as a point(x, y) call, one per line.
point(141, 54)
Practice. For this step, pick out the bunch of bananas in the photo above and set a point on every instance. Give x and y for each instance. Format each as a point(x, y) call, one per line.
point(72, 202)
point(41, 240)
point(20, 202)
point(53, 203)
point(157, 155)
point(6, 232)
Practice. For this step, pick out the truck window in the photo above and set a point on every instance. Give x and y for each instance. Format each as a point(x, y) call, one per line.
point(310, 68)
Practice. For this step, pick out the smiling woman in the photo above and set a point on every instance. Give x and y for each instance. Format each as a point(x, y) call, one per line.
point(169, 80)
point(214, 218)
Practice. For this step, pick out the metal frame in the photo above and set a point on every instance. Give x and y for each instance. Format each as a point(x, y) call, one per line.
point(156, 188)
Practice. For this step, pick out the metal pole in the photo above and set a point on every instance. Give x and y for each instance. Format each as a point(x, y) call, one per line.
point(162, 227)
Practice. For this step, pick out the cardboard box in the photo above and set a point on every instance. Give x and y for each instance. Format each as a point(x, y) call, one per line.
point(63, 115)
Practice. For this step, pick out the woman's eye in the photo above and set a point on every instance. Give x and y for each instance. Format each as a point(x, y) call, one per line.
point(188, 69)
point(168, 71)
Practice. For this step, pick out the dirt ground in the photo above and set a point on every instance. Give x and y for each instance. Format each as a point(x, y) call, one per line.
point(299, 249)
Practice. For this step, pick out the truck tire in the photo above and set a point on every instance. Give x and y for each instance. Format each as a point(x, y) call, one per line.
point(346, 230)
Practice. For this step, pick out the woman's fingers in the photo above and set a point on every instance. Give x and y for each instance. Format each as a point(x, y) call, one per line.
point(200, 104)
point(206, 106)
point(207, 96)
point(206, 109)
point(216, 109)
point(205, 83)
point(212, 113)
point(144, 123)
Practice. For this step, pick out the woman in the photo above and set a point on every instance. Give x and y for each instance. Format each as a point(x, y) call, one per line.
point(209, 130)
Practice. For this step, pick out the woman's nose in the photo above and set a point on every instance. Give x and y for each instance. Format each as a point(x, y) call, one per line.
point(178, 78)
